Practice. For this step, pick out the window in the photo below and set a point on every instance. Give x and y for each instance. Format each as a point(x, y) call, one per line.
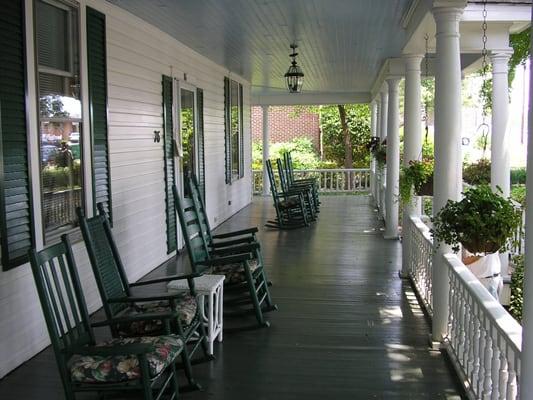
point(188, 135)
point(234, 131)
point(60, 115)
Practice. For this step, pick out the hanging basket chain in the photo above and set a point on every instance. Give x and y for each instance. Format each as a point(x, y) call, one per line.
point(484, 127)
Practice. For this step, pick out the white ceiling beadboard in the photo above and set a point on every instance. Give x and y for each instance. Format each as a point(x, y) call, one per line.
point(342, 43)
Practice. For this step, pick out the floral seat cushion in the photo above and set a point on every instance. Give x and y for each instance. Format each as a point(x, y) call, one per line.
point(186, 306)
point(234, 273)
point(121, 368)
point(289, 202)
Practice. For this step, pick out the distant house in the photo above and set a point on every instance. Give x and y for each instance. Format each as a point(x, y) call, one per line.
point(286, 125)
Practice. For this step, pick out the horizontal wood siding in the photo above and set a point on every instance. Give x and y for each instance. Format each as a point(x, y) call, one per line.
point(137, 55)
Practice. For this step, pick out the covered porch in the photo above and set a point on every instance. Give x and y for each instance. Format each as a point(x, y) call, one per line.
point(347, 327)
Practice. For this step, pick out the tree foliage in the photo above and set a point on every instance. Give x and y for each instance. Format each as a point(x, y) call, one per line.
point(358, 121)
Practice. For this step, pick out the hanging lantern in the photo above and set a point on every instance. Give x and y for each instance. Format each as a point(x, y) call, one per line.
point(294, 77)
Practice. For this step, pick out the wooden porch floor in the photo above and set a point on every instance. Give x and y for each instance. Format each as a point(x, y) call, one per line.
point(347, 327)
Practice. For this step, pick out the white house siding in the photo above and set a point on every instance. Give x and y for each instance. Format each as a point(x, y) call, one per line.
point(138, 54)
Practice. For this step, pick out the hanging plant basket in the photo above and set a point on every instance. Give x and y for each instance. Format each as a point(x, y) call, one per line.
point(426, 189)
point(483, 222)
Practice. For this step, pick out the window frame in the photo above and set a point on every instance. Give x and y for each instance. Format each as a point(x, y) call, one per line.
point(85, 141)
point(230, 169)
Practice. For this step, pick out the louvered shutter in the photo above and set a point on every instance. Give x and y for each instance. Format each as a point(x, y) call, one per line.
point(168, 147)
point(227, 128)
point(241, 134)
point(200, 135)
point(16, 222)
point(96, 48)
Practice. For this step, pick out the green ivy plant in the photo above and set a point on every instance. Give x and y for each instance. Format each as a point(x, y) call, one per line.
point(483, 222)
point(412, 177)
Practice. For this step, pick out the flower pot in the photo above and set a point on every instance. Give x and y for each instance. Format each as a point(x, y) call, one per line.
point(426, 189)
point(479, 247)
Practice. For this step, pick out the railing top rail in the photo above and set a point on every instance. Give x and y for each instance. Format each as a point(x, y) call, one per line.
point(328, 170)
point(506, 325)
point(423, 228)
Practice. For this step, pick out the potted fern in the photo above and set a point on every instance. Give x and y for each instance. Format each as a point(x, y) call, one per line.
point(379, 151)
point(483, 222)
point(416, 178)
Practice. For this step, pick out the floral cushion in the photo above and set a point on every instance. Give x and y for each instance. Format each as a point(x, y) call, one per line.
point(186, 306)
point(234, 273)
point(289, 202)
point(121, 368)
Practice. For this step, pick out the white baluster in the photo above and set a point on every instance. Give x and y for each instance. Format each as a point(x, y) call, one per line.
point(504, 373)
point(495, 369)
point(484, 360)
point(511, 381)
point(476, 345)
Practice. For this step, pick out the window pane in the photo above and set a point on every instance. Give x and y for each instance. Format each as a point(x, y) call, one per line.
point(188, 138)
point(235, 130)
point(52, 36)
point(60, 117)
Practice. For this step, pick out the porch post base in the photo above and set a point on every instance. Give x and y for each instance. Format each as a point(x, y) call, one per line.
point(434, 344)
point(391, 237)
point(403, 275)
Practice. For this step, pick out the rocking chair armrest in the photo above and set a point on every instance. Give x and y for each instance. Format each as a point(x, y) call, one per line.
point(139, 299)
point(114, 350)
point(137, 317)
point(166, 279)
point(243, 248)
point(226, 243)
point(231, 259)
point(236, 233)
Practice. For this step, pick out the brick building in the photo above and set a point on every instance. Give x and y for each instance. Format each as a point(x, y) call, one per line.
point(285, 125)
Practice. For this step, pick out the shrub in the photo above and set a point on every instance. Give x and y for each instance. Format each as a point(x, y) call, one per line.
point(517, 288)
point(304, 155)
point(477, 173)
point(518, 176)
point(518, 194)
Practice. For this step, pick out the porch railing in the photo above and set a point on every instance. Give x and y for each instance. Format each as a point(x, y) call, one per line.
point(483, 341)
point(420, 248)
point(329, 180)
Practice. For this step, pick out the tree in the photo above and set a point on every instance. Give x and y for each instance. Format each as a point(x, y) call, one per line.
point(348, 150)
point(352, 135)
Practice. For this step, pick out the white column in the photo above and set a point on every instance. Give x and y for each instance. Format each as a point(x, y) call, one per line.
point(412, 136)
point(373, 130)
point(266, 153)
point(526, 378)
point(448, 157)
point(378, 171)
point(393, 160)
point(499, 145)
point(412, 142)
point(500, 170)
point(383, 135)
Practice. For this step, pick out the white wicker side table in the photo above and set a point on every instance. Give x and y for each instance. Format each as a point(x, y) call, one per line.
point(212, 288)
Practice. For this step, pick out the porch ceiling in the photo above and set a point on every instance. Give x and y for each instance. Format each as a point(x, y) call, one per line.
point(342, 43)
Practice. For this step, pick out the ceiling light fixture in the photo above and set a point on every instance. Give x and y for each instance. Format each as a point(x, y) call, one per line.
point(294, 77)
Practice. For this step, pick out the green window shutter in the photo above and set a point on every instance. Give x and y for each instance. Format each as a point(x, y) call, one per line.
point(96, 48)
point(227, 128)
point(168, 148)
point(200, 134)
point(241, 134)
point(16, 224)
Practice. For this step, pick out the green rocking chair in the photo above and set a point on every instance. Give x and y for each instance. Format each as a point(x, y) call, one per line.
point(245, 279)
point(291, 210)
point(118, 299)
point(145, 364)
